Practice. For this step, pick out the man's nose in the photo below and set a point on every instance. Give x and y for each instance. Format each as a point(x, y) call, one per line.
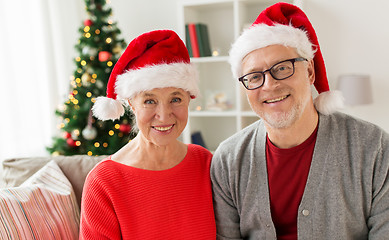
point(269, 81)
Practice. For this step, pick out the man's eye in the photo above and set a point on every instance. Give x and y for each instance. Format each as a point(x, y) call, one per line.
point(282, 68)
point(254, 78)
point(176, 100)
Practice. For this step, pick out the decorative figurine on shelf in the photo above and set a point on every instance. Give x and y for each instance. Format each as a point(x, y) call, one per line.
point(218, 102)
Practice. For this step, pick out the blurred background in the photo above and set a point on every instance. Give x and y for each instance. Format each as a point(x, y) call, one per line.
point(37, 52)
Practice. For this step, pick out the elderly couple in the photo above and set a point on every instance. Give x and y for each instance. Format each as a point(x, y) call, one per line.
point(303, 171)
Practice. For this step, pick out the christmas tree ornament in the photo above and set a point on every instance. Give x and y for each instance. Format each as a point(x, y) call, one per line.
point(71, 142)
point(92, 52)
point(85, 50)
point(117, 49)
point(104, 56)
point(91, 70)
point(86, 78)
point(89, 51)
point(99, 84)
point(125, 128)
point(89, 133)
point(88, 22)
point(67, 135)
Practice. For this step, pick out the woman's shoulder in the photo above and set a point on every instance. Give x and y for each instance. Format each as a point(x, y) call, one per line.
point(197, 149)
point(200, 154)
point(105, 169)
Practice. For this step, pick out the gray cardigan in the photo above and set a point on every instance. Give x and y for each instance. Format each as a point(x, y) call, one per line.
point(346, 195)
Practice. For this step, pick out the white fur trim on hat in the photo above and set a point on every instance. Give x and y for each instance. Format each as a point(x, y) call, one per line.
point(262, 35)
point(329, 102)
point(107, 108)
point(179, 75)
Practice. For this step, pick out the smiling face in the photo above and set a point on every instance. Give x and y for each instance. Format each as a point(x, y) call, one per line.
point(280, 103)
point(161, 114)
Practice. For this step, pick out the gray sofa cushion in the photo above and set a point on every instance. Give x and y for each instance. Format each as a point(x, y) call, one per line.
point(17, 170)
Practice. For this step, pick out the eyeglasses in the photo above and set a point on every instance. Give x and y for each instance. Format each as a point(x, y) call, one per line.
point(278, 71)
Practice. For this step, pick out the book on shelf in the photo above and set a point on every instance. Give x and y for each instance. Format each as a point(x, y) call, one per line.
point(193, 40)
point(197, 40)
point(203, 39)
point(187, 41)
point(197, 138)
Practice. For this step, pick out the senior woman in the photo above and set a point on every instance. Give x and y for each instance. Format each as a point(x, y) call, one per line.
point(155, 187)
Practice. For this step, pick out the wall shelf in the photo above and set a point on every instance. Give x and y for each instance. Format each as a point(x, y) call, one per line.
point(225, 20)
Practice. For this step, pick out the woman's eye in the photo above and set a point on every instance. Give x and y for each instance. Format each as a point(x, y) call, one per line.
point(176, 100)
point(149, 101)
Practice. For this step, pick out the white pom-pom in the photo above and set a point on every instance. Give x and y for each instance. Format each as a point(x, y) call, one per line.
point(329, 102)
point(107, 109)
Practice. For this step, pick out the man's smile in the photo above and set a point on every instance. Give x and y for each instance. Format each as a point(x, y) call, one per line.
point(276, 99)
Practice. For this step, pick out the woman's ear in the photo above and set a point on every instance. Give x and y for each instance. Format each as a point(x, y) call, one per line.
point(131, 106)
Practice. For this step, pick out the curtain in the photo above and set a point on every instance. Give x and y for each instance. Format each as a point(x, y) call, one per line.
point(36, 52)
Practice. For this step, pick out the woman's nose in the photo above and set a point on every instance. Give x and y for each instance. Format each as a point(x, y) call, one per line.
point(164, 112)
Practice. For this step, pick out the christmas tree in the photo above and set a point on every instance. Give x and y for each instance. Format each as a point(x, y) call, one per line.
point(99, 48)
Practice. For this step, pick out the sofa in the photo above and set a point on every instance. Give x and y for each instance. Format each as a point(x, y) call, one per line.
point(40, 197)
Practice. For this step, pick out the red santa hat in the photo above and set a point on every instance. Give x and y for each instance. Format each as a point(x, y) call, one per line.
point(156, 59)
point(286, 24)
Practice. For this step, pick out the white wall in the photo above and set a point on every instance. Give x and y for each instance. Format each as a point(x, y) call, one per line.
point(353, 34)
point(36, 50)
point(354, 37)
point(136, 17)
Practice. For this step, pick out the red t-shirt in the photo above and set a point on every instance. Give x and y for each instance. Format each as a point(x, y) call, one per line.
point(288, 172)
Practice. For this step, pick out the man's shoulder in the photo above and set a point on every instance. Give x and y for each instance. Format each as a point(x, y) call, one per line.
point(345, 125)
point(236, 151)
point(351, 122)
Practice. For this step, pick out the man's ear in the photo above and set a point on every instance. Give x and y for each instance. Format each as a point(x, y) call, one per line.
point(311, 71)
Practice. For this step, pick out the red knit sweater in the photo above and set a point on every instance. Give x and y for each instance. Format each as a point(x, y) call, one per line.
point(123, 202)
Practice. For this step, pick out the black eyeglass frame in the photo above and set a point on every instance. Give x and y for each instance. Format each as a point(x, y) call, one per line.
point(293, 60)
